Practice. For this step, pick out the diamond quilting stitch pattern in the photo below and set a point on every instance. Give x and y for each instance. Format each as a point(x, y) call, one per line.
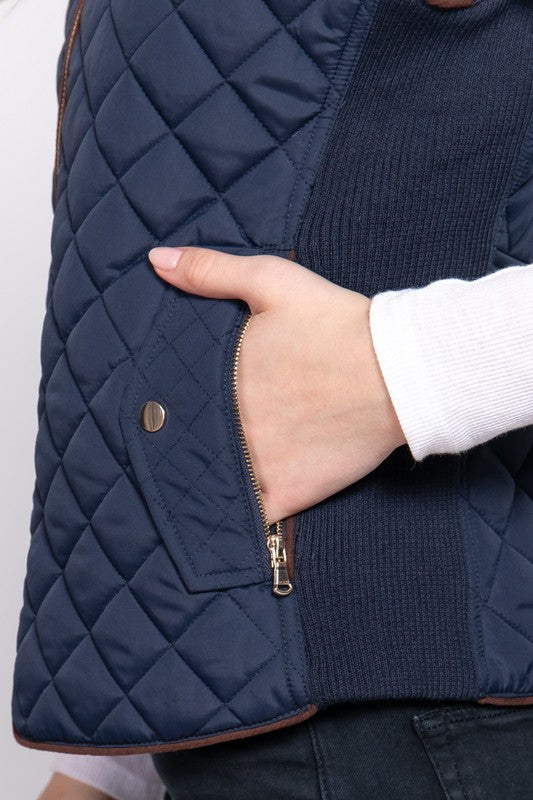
point(103, 300)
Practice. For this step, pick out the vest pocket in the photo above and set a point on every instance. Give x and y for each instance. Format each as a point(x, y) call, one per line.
point(274, 534)
point(190, 459)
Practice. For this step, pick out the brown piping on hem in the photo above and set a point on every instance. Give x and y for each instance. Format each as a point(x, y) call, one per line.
point(165, 748)
point(506, 701)
point(450, 4)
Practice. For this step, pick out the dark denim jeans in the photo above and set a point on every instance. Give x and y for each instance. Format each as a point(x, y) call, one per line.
point(368, 751)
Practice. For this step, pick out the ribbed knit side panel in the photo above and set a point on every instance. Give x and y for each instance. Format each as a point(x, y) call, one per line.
point(408, 190)
point(381, 582)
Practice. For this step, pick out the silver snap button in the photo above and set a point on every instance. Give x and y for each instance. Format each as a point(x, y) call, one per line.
point(152, 416)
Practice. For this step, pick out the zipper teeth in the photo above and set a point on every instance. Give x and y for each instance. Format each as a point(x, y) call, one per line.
point(275, 542)
point(74, 29)
point(244, 444)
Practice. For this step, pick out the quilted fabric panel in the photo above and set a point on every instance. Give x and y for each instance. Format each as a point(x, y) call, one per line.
point(168, 137)
point(498, 504)
point(497, 490)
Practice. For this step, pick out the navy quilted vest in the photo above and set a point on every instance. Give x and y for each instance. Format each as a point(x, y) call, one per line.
point(382, 143)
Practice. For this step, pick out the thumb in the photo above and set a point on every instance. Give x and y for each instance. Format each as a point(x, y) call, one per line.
point(212, 273)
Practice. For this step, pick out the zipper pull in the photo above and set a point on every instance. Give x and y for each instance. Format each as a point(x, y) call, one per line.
point(281, 584)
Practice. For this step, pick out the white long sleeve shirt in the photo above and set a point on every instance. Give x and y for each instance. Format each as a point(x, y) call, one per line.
point(120, 777)
point(457, 360)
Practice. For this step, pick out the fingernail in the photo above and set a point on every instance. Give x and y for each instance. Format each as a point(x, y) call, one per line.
point(165, 258)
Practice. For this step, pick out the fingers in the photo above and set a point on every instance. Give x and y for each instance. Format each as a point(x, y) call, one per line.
point(259, 280)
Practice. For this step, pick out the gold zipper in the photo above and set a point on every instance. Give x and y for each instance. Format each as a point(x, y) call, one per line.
point(65, 69)
point(281, 584)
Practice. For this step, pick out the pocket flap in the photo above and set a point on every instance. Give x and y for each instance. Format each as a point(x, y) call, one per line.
point(188, 467)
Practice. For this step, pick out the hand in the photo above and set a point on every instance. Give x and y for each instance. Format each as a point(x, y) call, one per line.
point(315, 410)
point(62, 787)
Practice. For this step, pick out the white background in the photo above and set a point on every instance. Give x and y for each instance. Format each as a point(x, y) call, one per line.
point(31, 35)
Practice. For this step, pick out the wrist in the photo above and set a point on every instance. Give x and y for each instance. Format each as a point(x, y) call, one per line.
point(392, 430)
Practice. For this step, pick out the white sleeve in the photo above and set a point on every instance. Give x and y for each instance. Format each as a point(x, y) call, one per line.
point(457, 358)
point(121, 777)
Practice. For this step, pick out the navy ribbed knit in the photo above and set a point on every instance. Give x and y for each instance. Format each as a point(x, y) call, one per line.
point(408, 191)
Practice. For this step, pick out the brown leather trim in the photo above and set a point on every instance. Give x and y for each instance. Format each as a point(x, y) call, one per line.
point(65, 69)
point(450, 3)
point(291, 255)
point(506, 701)
point(289, 544)
point(189, 744)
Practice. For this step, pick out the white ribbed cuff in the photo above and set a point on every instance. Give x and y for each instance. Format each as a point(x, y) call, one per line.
point(457, 358)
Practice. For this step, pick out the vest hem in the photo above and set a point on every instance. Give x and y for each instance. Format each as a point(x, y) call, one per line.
point(180, 744)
